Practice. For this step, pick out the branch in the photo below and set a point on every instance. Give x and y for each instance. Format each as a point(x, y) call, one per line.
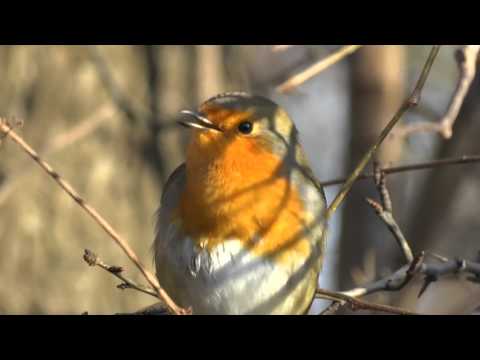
point(317, 68)
point(419, 166)
point(356, 304)
point(93, 260)
point(59, 142)
point(412, 100)
point(385, 213)
point(7, 130)
point(467, 62)
point(403, 276)
point(415, 265)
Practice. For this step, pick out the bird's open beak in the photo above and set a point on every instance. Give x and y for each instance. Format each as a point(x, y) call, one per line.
point(200, 122)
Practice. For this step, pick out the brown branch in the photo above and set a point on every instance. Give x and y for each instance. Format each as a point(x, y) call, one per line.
point(411, 101)
point(7, 130)
point(59, 142)
point(385, 213)
point(317, 68)
point(432, 272)
point(93, 260)
point(392, 225)
point(467, 62)
point(415, 265)
point(332, 308)
point(419, 166)
point(357, 304)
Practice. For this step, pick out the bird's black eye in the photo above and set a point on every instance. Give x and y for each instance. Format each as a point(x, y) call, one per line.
point(245, 127)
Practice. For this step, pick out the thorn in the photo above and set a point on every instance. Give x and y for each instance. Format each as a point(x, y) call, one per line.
point(461, 265)
point(437, 257)
point(428, 280)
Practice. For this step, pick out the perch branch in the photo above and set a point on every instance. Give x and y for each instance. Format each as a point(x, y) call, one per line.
point(397, 280)
point(317, 68)
point(7, 130)
point(433, 272)
point(357, 304)
point(467, 62)
point(412, 100)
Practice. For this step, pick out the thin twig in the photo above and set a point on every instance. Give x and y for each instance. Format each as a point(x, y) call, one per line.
point(467, 62)
point(412, 100)
point(357, 304)
point(332, 308)
point(401, 277)
point(93, 260)
point(381, 183)
point(385, 212)
point(59, 142)
point(415, 265)
point(392, 225)
point(6, 129)
point(419, 166)
point(317, 68)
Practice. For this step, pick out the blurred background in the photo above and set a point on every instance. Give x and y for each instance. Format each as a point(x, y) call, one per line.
point(103, 117)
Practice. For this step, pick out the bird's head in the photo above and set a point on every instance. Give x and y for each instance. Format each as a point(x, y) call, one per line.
point(239, 123)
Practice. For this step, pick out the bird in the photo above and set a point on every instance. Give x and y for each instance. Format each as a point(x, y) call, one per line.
point(241, 227)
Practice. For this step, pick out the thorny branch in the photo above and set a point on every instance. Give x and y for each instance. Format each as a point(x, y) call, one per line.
point(415, 265)
point(412, 100)
point(466, 57)
point(432, 272)
point(317, 68)
point(7, 131)
point(385, 212)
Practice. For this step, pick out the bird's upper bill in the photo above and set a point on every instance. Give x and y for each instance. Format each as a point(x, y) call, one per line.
point(198, 121)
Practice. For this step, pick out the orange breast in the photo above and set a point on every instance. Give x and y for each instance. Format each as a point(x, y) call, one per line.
point(237, 193)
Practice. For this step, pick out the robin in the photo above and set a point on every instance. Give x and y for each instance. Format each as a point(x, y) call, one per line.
point(241, 227)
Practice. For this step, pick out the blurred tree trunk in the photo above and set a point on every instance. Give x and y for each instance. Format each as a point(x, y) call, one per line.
point(377, 89)
point(176, 66)
point(210, 71)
